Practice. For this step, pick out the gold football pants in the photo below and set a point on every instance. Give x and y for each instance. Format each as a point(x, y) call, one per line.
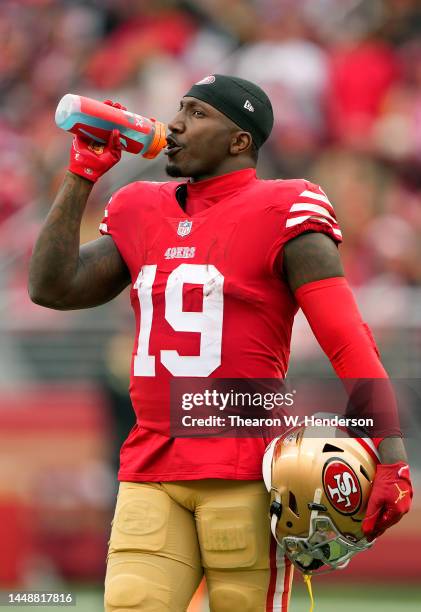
point(165, 536)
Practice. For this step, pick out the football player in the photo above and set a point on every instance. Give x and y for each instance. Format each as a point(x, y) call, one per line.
point(218, 266)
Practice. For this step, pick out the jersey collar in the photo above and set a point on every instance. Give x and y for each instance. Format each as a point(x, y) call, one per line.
point(218, 187)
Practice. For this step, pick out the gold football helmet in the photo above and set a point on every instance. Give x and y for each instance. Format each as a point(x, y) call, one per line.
point(319, 492)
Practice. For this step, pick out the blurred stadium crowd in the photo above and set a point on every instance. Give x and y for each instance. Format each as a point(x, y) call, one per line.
point(344, 78)
point(345, 82)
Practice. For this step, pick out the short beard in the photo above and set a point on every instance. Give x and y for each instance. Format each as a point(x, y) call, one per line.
point(173, 170)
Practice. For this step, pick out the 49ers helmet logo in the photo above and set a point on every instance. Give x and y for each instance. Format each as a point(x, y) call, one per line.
point(342, 486)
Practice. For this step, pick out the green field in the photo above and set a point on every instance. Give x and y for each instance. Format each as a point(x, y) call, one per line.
point(349, 598)
point(361, 598)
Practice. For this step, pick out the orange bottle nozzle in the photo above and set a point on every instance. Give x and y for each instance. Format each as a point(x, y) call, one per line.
point(159, 141)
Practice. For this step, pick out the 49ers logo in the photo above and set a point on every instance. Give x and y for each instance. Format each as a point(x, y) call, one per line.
point(342, 486)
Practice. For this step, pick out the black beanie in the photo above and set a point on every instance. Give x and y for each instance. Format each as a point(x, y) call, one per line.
point(242, 101)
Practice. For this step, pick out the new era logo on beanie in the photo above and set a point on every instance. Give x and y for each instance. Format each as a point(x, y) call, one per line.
point(245, 103)
point(207, 80)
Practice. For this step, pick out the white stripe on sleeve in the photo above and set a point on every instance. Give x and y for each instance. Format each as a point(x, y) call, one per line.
point(315, 196)
point(297, 220)
point(311, 207)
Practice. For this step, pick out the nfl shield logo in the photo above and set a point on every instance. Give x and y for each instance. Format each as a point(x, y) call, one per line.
point(184, 228)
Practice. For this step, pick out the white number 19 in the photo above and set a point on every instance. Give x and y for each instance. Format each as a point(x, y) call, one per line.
point(208, 322)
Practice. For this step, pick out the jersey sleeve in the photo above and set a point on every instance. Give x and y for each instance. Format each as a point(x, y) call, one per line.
point(112, 215)
point(121, 221)
point(311, 210)
point(306, 208)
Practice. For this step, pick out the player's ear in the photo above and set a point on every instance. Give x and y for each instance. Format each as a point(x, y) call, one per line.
point(240, 142)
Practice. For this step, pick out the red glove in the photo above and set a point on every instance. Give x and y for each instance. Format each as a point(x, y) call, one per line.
point(390, 499)
point(91, 159)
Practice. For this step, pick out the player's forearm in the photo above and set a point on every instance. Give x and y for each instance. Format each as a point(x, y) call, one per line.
point(55, 257)
point(333, 315)
point(392, 450)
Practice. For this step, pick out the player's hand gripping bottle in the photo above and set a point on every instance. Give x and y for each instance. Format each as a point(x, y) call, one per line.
point(93, 120)
point(101, 130)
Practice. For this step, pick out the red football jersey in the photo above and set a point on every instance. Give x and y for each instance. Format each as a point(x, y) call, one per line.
point(209, 300)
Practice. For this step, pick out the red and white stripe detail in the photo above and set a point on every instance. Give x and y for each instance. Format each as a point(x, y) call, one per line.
point(370, 447)
point(314, 206)
point(103, 227)
point(280, 581)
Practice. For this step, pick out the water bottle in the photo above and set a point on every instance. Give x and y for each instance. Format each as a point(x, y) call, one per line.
point(95, 120)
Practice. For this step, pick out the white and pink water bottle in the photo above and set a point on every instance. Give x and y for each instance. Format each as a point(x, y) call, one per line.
point(92, 119)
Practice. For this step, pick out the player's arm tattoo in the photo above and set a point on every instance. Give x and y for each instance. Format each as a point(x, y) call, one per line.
point(62, 274)
point(311, 257)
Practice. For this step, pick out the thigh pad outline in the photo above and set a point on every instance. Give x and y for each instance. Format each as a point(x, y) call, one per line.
point(140, 522)
point(227, 537)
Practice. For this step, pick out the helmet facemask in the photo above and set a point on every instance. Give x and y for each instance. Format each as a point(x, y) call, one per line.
point(325, 548)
